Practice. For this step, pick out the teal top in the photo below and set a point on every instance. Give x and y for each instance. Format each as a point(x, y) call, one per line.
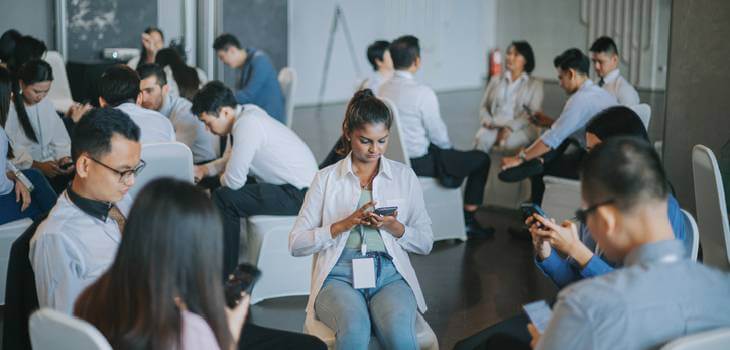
point(372, 236)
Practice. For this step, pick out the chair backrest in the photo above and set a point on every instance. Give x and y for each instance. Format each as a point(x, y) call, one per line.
point(717, 339)
point(50, 329)
point(60, 92)
point(396, 146)
point(693, 236)
point(712, 217)
point(288, 83)
point(170, 159)
point(8, 234)
point(644, 112)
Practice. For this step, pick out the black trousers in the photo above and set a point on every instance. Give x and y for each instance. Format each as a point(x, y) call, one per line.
point(251, 199)
point(509, 334)
point(453, 166)
point(255, 337)
point(563, 161)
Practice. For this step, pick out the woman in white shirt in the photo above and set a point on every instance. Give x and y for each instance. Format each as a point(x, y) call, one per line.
point(37, 134)
point(505, 120)
point(338, 226)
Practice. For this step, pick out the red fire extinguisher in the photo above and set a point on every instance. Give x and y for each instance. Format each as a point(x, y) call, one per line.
point(495, 62)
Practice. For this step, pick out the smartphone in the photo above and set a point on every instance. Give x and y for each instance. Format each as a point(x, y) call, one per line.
point(66, 165)
point(528, 209)
point(527, 109)
point(539, 314)
point(385, 211)
point(241, 280)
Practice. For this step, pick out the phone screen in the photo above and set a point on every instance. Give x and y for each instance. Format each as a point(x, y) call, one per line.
point(539, 313)
point(385, 211)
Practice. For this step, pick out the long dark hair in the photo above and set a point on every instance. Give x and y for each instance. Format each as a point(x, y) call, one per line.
point(185, 76)
point(169, 250)
point(143, 52)
point(364, 108)
point(33, 71)
point(6, 89)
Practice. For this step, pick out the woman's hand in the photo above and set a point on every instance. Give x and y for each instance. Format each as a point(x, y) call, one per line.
point(48, 168)
point(503, 135)
point(534, 334)
point(237, 317)
point(199, 172)
point(359, 217)
point(563, 237)
point(77, 111)
point(22, 195)
point(389, 223)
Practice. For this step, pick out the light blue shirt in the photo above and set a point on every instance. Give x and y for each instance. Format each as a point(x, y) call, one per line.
point(658, 296)
point(188, 129)
point(583, 105)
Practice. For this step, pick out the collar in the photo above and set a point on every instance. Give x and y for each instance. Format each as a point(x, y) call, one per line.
point(94, 208)
point(610, 77)
point(508, 76)
point(663, 251)
point(166, 108)
point(403, 74)
point(586, 84)
point(345, 167)
point(239, 111)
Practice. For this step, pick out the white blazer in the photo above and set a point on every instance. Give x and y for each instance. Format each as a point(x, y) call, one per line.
point(334, 195)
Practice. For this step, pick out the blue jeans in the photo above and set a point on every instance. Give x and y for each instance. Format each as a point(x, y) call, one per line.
point(390, 306)
point(42, 199)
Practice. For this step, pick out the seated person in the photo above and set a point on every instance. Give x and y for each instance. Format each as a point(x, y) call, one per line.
point(189, 130)
point(327, 227)
point(77, 242)
point(258, 83)
point(505, 120)
point(152, 41)
point(281, 163)
point(605, 57)
point(7, 46)
point(119, 88)
point(426, 138)
point(16, 200)
point(659, 294)
point(184, 80)
point(586, 100)
point(379, 57)
point(27, 48)
point(38, 136)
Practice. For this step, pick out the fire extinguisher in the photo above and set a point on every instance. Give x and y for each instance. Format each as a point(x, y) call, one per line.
point(495, 63)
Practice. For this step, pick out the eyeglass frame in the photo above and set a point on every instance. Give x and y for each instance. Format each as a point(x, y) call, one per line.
point(582, 214)
point(126, 173)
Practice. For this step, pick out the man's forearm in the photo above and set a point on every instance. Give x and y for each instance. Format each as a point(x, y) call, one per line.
point(536, 150)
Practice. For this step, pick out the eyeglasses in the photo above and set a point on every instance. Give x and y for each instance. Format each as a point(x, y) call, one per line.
point(582, 214)
point(126, 175)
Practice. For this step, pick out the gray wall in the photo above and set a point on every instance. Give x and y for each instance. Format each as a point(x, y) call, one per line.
point(698, 103)
point(31, 17)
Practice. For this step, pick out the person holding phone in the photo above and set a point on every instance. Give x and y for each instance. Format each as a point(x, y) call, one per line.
point(363, 279)
point(508, 103)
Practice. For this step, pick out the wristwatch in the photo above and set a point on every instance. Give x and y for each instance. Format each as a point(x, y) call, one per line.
point(522, 155)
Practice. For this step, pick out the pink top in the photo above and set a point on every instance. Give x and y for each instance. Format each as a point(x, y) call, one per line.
point(197, 333)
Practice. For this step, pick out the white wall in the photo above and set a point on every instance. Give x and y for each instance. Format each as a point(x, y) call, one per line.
point(454, 39)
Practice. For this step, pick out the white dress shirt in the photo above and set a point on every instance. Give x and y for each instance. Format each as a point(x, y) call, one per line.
point(71, 249)
point(615, 84)
point(373, 82)
point(266, 149)
point(153, 126)
point(580, 108)
point(334, 195)
point(189, 129)
point(418, 112)
point(53, 140)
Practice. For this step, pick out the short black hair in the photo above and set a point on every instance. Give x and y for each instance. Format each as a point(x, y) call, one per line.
point(7, 44)
point(224, 41)
point(404, 51)
point(605, 45)
point(376, 51)
point(149, 69)
point(119, 84)
point(617, 121)
point(626, 170)
point(573, 58)
point(212, 97)
point(525, 50)
point(28, 48)
point(93, 133)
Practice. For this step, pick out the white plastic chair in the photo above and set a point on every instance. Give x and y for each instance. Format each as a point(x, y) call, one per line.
point(268, 248)
point(288, 83)
point(718, 339)
point(53, 330)
point(712, 217)
point(644, 112)
point(170, 159)
point(60, 92)
point(444, 205)
point(561, 198)
point(9, 232)
point(693, 236)
point(426, 337)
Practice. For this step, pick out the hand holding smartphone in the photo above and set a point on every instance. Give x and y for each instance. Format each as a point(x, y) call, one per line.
point(385, 211)
point(241, 280)
point(530, 209)
point(539, 314)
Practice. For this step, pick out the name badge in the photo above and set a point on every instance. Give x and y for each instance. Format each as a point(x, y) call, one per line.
point(363, 273)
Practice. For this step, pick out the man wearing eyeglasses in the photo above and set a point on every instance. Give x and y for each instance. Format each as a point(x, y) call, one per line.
point(79, 239)
point(659, 294)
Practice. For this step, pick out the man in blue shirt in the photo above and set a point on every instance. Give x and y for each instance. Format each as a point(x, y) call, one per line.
point(258, 83)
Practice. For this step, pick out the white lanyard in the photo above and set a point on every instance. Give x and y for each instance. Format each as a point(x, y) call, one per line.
point(363, 244)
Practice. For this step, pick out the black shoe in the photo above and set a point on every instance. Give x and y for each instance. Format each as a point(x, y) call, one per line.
point(521, 233)
point(473, 229)
point(527, 169)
